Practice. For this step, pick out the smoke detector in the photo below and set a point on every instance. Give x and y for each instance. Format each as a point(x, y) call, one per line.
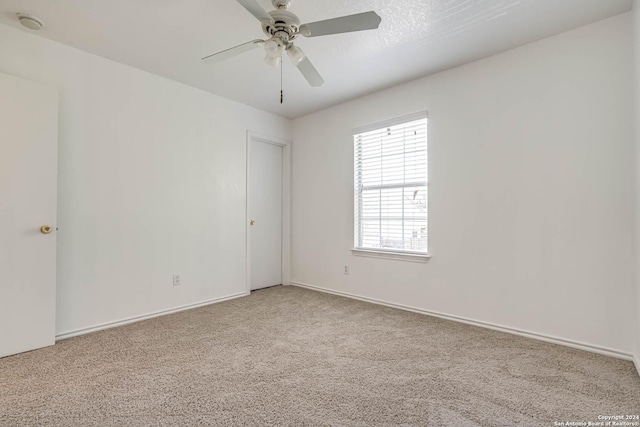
point(31, 22)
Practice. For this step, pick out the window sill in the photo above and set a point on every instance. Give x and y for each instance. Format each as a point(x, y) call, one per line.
point(398, 256)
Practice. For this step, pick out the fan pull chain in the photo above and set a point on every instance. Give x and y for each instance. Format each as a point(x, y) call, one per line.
point(281, 91)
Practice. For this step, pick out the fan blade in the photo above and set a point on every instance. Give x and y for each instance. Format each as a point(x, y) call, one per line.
point(231, 52)
point(256, 10)
point(344, 24)
point(310, 73)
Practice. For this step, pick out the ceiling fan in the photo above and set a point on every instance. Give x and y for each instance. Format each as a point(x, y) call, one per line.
point(283, 27)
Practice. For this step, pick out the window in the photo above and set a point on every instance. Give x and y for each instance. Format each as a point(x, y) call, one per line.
point(390, 166)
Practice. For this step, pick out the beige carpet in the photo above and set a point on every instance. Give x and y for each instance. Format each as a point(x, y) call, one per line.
point(290, 356)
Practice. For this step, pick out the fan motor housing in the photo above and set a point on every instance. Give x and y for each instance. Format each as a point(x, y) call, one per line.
point(284, 21)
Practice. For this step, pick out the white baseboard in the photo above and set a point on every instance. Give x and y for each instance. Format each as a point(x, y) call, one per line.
point(108, 325)
point(528, 334)
point(636, 361)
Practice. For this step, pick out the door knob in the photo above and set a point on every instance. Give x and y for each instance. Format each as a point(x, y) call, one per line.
point(252, 222)
point(45, 229)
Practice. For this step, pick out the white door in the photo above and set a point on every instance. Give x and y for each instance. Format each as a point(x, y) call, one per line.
point(265, 213)
point(28, 174)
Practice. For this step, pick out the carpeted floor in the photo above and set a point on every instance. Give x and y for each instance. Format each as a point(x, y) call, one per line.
point(291, 356)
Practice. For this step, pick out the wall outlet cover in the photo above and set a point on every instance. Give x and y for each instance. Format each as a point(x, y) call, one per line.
point(177, 279)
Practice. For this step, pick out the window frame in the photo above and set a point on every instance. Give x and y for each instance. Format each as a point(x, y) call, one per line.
point(401, 255)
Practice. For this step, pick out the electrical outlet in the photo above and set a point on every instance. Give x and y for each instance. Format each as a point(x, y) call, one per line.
point(346, 269)
point(177, 279)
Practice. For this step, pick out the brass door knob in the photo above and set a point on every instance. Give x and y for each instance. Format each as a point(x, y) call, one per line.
point(252, 222)
point(46, 229)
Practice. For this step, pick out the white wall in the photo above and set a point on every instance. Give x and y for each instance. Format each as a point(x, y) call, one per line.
point(152, 182)
point(531, 191)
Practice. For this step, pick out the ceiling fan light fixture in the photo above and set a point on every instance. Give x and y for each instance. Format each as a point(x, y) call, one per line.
point(271, 45)
point(281, 28)
point(295, 54)
point(273, 61)
point(274, 48)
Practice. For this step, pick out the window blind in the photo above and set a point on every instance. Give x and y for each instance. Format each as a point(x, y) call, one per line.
point(390, 165)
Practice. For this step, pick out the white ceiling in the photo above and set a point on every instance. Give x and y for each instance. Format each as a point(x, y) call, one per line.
point(415, 38)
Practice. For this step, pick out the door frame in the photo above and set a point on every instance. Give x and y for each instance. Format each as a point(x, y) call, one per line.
point(286, 206)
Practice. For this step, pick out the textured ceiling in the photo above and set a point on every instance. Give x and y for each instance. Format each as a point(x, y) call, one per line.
point(415, 38)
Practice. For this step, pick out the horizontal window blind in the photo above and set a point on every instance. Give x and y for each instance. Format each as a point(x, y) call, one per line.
point(390, 164)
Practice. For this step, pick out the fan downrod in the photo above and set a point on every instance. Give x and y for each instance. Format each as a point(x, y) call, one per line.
point(281, 4)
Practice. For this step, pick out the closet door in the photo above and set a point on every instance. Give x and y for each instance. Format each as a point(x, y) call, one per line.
point(265, 212)
point(28, 195)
